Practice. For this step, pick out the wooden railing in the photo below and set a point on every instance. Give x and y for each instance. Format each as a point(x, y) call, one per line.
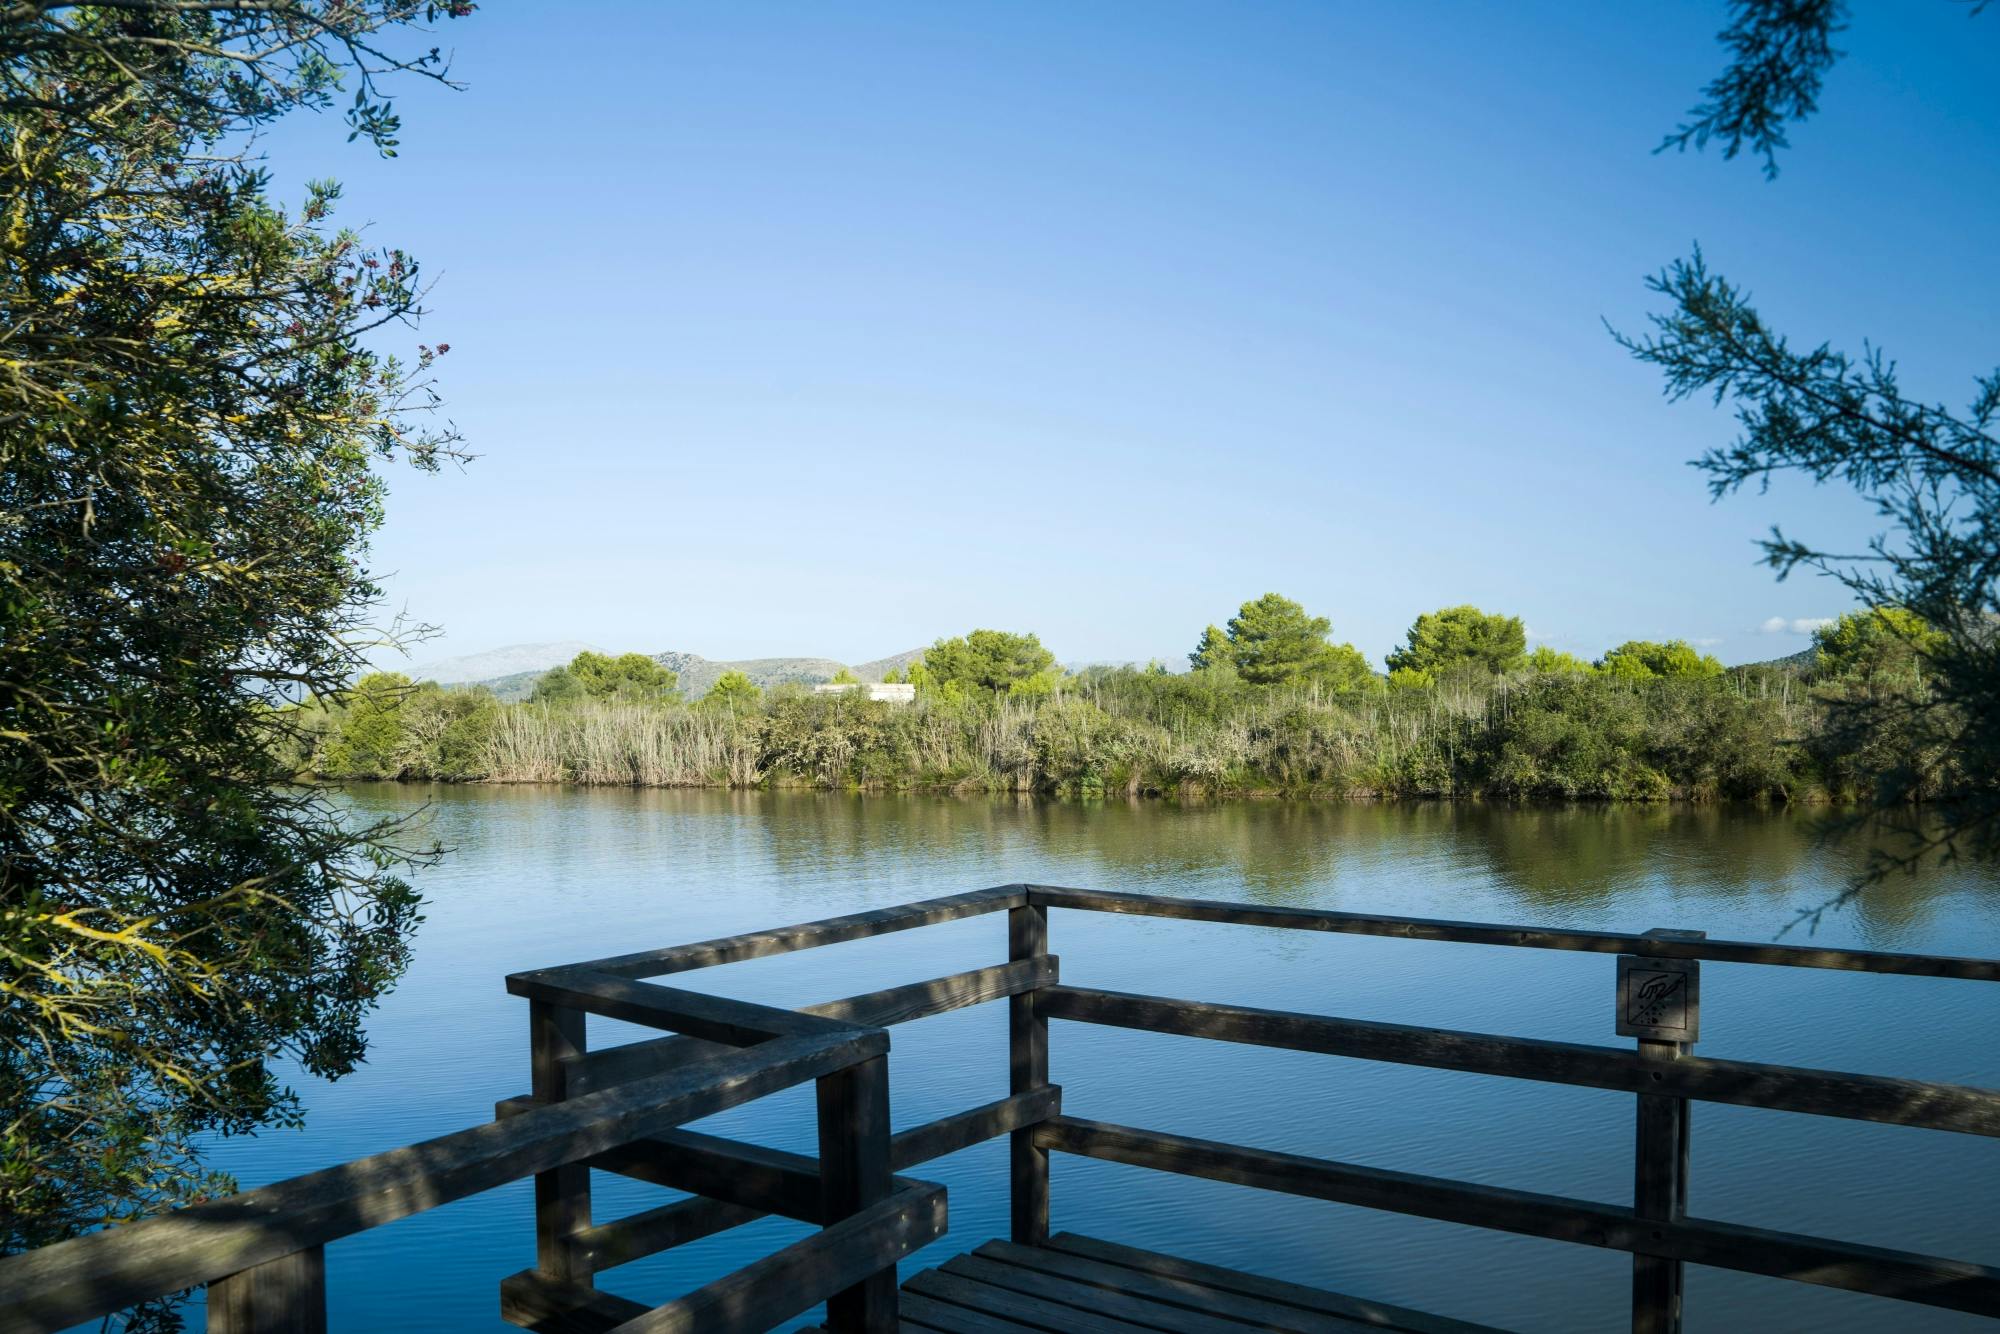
point(735, 1183)
point(1655, 1228)
point(1659, 1069)
point(261, 1253)
point(621, 1109)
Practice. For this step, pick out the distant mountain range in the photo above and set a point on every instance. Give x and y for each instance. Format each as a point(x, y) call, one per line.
point(511, 672)
point(512, 660)
point(698, 673)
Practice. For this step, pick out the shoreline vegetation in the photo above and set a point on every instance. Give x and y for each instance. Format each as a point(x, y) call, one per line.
point(1268, 708)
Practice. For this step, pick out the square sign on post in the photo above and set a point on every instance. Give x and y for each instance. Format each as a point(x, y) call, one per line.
point(1659, 998)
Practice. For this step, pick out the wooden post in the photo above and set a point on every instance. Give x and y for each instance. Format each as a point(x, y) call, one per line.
point(562, 1197)
point(854, 1174)
point(1028, 1070)
point(1659, 1003)
point(282, 1296)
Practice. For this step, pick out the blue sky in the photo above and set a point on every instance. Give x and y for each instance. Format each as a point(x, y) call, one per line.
point(830, 329)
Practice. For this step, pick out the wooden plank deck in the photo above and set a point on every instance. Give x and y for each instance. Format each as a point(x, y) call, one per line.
point(1079, 1285)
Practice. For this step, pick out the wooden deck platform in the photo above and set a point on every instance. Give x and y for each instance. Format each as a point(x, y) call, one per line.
point(1079, 1285)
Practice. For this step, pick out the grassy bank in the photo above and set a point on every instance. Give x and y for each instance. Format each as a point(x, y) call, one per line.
point(1753, 734)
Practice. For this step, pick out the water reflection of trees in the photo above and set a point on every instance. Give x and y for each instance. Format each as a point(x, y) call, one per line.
point(1584, 864)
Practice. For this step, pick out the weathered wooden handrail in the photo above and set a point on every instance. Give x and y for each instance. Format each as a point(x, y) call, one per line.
point(1904, 1102)
point(608, 1245)
point(694, 1014)
point(760, 1294)
point(1960, 1285)
point(735, 1183)
point(851, 1252)
point(103, 1272)
point(928, 912)
point(877, 1009)
point(621, 1109)
point(1663, 1074)
point(778, 1181)
point(807, 935)
point(1522, 937)
point(1657, 1230)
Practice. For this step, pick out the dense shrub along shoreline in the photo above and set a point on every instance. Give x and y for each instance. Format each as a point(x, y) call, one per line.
point(1269, 707)
point(1753, 734)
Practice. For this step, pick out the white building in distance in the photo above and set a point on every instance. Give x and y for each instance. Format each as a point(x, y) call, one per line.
point(895, 692)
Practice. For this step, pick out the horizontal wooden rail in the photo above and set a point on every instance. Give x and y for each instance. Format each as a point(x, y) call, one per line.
point(1955, 1284)
point(786, 1183)
point(758, 1179)
point(807, 1272)
point(539, 1301)
point(698, 1014)
point(762, 1293)
point(877, 1009)
point(1907, 1102)
point(91, 1276)
point(605, 1246)
point(1527, 937)
point(770, 1181)
point(962, 1130)
point(806, 935)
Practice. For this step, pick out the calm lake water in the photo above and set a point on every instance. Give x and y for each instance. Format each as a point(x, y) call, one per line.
point(545, 876)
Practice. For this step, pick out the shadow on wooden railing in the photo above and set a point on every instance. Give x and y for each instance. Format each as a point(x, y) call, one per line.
point(1655, 1229)
point(621, 1109)
point(740, 1182)
point(261, 1254)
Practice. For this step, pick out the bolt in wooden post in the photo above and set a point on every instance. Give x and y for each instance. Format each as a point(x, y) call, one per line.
point(854, 1173)
point(282, 1296)
point(1028, 1069)
point(1659, 1003)
point(562, 1197)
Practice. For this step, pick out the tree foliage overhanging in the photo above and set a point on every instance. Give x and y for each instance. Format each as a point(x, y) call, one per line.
point(192, 409)
point(1931, 471)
